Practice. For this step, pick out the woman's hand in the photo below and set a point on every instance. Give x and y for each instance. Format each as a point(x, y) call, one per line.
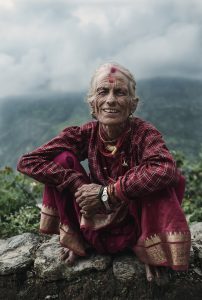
point(88, 200)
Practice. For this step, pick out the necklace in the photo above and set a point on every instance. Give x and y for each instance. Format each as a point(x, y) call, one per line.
point(111, 148)
point(112, 141)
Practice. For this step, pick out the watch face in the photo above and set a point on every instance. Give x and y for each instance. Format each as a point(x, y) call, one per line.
point(104, 197)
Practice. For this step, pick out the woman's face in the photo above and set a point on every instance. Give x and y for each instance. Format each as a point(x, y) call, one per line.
point(112, 104)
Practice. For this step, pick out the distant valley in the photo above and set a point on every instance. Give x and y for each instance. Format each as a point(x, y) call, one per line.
point(174, 106)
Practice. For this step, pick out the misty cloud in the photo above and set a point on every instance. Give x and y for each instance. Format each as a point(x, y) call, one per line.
point(56, 45)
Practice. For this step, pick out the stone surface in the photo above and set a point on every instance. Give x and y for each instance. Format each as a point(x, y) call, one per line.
point(126, 268)
point(196, 232)
point(30, 268)
point(192, 255)
point(198, 252)
point(16, 253)
point(94, 262)
point(48, 265)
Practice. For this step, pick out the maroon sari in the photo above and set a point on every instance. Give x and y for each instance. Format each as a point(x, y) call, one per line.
point(149, 220)
point(154, 227)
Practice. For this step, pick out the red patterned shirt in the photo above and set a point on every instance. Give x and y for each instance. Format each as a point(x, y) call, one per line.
point(141, 165)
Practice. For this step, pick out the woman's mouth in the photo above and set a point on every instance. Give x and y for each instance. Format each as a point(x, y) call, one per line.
point(110, 110)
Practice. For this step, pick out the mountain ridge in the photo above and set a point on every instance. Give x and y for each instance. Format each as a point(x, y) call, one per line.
point(173, 105)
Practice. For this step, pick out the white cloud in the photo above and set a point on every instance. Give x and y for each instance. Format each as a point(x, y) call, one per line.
point(9, 4)
point(56, 45)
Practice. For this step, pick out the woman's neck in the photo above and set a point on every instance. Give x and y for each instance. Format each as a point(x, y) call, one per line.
point(113, 131)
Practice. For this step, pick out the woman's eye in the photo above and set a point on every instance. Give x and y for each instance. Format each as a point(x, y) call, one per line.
point(121, 93)
point(103, 92)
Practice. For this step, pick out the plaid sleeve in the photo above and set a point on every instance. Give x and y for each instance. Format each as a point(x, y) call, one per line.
point(156, 170)
point(39, 163)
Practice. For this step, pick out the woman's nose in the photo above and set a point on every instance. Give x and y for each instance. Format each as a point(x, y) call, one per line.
point(111, 99)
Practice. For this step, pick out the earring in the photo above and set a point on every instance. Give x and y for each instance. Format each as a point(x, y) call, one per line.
point(93, 115)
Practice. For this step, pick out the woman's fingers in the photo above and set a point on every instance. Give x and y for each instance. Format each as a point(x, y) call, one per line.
point(87, 199)
point(82, 201)
point(81, 190)
point(89, 207)
point(79, 200)
point(81, 195)
point(84, 197)
point(88, 189)
point(78, 194)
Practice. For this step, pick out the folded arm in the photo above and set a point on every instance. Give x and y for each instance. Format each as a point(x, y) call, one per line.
point(39, 163)
point(156, 170)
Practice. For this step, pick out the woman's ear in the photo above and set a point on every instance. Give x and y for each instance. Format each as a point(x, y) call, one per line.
point(134, 103)
point(92, 106)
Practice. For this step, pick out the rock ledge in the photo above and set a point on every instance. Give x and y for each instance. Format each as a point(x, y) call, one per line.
point(30, 268)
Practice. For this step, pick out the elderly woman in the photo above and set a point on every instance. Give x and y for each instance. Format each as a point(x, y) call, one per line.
point(131, 198)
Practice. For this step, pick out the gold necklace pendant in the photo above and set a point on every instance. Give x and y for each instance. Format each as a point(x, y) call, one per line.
point(114, 151)
point(111, 148)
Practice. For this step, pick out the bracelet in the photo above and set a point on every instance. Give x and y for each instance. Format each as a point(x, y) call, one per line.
point(111, 193)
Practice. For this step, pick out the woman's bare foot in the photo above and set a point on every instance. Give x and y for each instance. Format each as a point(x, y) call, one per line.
point(149, 273)
point(157, 274)
point(68, 256)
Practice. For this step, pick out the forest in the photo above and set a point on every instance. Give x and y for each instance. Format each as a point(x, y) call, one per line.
point(174, 106)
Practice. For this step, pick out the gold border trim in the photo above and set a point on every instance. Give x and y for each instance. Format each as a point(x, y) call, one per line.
point(169, 237)
point(49, 224)
point(49, 210)
point(170, 249)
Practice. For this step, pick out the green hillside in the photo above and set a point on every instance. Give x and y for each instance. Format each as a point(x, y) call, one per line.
point(174, 106)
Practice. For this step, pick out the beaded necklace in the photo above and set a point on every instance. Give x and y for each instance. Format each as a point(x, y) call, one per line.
point(112, 149)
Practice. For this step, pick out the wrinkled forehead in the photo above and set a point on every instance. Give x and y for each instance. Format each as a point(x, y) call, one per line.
point(112, 75)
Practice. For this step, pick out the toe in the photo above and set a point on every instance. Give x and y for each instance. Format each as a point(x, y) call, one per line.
point(149, 273)
point(64, 254)
point(71, 259)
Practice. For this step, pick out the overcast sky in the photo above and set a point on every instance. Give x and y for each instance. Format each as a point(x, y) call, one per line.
point(55, 45)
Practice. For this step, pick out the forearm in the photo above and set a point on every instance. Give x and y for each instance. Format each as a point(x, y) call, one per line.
point(49, 172)
point(146, 178)
point(154, 169)
point(40, 164)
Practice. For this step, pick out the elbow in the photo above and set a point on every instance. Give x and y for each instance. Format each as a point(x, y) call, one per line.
point(21, 165)
point(171, 174)
point(165, 174)
point(176, 177)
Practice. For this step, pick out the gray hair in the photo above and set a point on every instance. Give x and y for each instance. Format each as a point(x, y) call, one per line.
point(105, 68)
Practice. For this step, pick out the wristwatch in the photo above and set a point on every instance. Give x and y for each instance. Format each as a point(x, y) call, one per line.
point(105, 199)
